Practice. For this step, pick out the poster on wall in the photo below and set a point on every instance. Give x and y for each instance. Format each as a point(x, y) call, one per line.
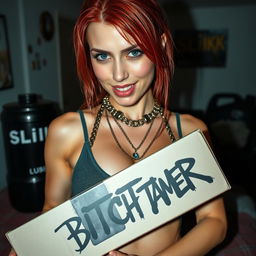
point(201, 48)
point(5, 64)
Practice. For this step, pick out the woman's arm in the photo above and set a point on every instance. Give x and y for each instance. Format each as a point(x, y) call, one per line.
point(58, 169)
point(211, 223)
point(209, 231)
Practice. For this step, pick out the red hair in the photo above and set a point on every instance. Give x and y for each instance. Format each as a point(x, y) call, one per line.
point(144, 21)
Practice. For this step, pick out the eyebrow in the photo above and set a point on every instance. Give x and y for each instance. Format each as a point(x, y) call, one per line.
point(122, 51)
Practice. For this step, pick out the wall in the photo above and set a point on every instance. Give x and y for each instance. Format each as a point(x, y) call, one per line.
point(22, 17)
point(12, 11)
point(193, 87)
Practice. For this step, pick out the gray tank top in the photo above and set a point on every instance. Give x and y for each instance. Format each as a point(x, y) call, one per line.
point(87, 172)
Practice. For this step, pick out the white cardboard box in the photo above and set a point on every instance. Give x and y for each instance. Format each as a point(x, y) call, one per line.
point(127, 205)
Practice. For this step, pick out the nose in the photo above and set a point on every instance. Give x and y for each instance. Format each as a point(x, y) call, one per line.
point(120, 72)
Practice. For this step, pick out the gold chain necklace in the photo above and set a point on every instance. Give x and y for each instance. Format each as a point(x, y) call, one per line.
point(167, 127)
point(133, 123)
point(119, 115)
point(96, 124)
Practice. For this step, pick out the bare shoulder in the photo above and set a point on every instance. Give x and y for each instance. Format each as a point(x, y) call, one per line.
point(64, 134)
point(67, 131)
point(190, 123)
point(64, 125)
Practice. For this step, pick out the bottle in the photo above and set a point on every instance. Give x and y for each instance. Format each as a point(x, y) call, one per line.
point(25, 125)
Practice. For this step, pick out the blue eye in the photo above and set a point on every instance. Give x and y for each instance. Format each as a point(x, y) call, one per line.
point(101, 56)
point(135, 53)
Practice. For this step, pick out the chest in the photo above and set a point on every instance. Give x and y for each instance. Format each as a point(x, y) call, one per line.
point(115, 149)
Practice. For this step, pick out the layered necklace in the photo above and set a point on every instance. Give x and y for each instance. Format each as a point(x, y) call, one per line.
point(119, 116)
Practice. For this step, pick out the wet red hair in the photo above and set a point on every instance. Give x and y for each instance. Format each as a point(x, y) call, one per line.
point(144, 21)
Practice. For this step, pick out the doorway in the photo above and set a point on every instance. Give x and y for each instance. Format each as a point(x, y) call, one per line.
point(71, 93)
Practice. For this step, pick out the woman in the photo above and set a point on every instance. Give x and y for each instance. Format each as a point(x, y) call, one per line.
point(125, 62)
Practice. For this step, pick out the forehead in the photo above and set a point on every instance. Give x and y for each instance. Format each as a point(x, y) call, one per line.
point(106, 36)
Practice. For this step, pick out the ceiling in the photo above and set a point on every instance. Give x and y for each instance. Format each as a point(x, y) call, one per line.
point(209, 3)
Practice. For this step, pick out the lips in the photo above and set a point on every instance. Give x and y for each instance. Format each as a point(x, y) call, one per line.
point(123, 90)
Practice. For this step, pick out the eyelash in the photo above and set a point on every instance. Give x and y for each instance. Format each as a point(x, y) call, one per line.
point(97, 57)
point(138, 51)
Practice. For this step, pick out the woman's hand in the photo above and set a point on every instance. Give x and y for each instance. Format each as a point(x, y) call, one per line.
point(116, 253)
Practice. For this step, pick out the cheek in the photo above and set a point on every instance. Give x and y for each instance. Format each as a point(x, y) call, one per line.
point(100, 71)
point(143, 69)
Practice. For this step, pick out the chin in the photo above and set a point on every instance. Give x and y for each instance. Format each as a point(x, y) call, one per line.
point(127, 101)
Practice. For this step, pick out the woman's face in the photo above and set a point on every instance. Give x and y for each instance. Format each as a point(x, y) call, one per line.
point(123, 70)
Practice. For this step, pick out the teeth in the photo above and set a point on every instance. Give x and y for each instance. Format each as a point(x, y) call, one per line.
point(124, 89)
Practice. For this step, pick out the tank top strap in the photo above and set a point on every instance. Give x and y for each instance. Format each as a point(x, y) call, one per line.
point(86, 139)
point(178, 125)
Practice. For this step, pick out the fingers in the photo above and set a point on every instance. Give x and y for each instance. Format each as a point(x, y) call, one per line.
point(116, 253)
point(113, 253)
point(12, 253)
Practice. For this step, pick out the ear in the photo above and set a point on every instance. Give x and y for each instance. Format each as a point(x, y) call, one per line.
point(163, 39)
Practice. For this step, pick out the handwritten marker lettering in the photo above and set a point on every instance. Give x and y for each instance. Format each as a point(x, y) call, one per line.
point(178, 181)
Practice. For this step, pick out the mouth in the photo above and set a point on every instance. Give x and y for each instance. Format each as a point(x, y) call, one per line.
point(124, 90)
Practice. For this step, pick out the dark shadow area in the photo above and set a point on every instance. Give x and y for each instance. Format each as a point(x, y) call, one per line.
point(72, 95)
point(184, 80)
point(232, 126)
